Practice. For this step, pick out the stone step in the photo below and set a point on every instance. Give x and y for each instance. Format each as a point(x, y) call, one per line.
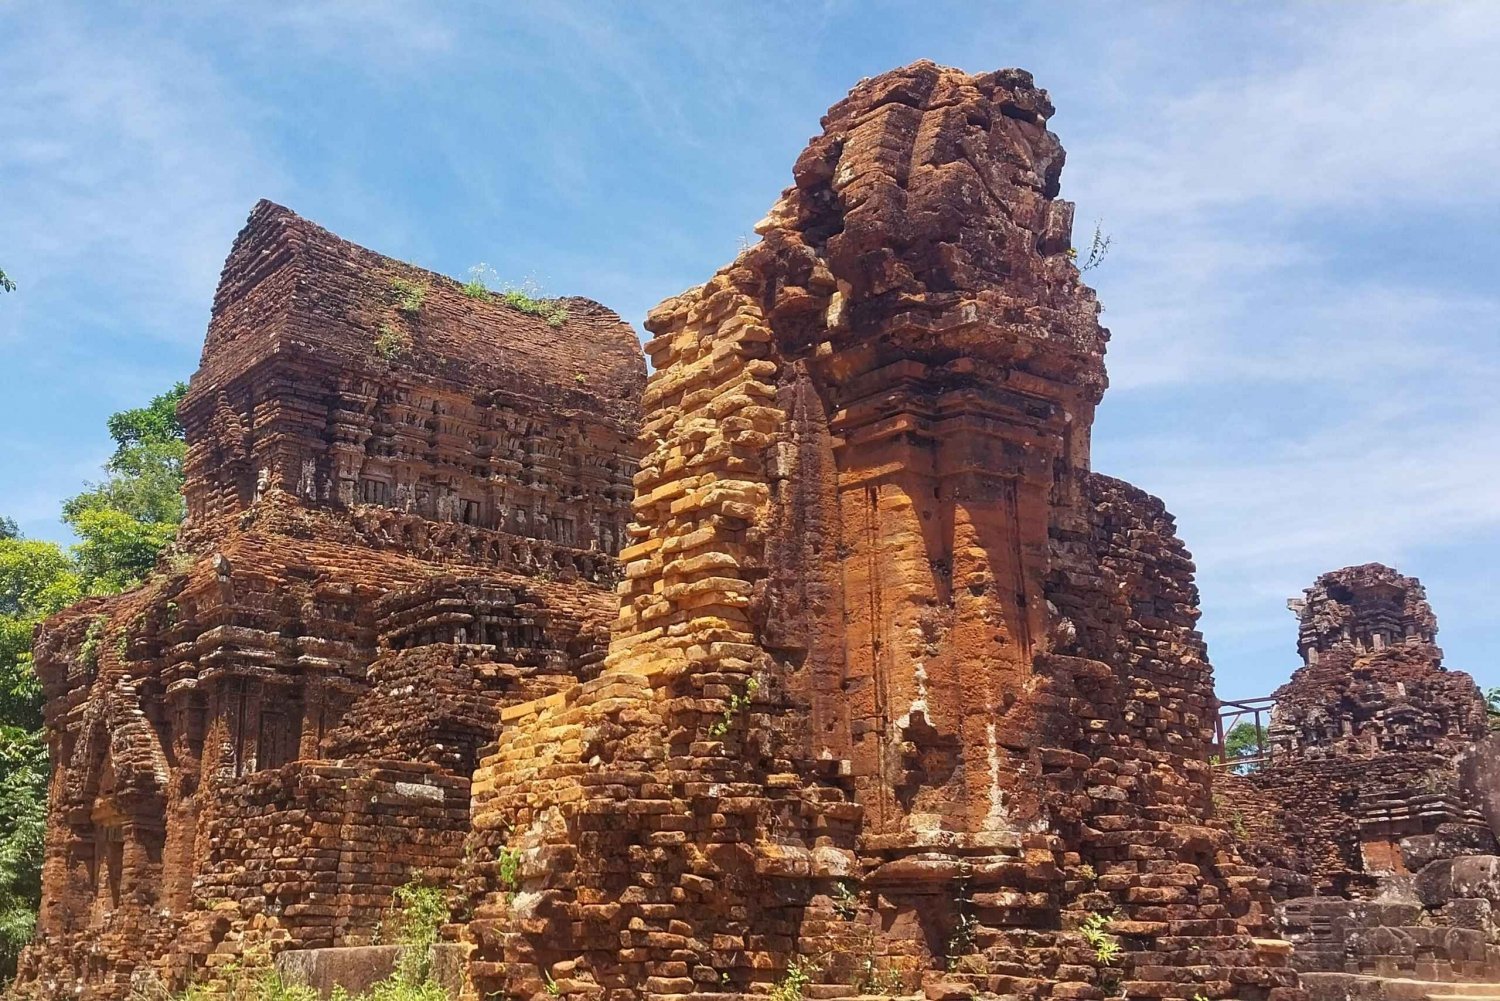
point(1365, 987)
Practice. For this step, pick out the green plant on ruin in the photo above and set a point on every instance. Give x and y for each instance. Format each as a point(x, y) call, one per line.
point(508, 868)
point(394, 988)
point(416, 915)
point(736, 705)
point(845, 900)
point(525, 296)
point(791, 987)
point(874, 980)
point(122, 644)
point(1086, 873)
point(1106, 947)
point(252, 977)
point(550, 986)
point(478, 285)
point(391, 342)
point(93, 639)
point(1236, 818)
point(1098, 250)
point(962, 940)
point(410, 296)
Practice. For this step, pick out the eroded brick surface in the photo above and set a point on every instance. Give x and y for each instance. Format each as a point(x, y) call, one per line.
point(1366, 736)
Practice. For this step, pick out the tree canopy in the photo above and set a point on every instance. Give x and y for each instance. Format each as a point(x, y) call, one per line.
point(124, 521)
point(36, 579)
point(1244, 740)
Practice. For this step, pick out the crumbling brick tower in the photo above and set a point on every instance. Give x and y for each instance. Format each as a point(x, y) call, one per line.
point(1369, 815)
point(404, 504)
point(1366, 736)
point(899, 688)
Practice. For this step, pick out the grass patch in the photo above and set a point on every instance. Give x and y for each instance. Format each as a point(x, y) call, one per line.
point(391, 342)
point(410, 296)
point(524, 296)
point(481, 278)
point(550, 310)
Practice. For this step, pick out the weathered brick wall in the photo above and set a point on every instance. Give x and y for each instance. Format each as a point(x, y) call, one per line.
point(1268, 833)
point(308, 854)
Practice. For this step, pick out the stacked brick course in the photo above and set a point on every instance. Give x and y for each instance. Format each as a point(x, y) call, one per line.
point(403, 513)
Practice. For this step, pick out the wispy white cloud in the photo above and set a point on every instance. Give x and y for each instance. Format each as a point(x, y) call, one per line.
point(126, 168)
point(1370, 105)
point(133, 158)
point(1296, 412)
point(379, 32)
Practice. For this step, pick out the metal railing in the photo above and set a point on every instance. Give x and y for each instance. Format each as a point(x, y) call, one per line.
point(1234, 713)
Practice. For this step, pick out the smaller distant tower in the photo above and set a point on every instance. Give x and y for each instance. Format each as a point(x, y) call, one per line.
point(1363, 609)
point(1367, 738)
point(1372, 679)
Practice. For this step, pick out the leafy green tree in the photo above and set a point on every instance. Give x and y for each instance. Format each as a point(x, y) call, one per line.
point(154, 424)
point(36, 579)
point(23, 799)
point(6, 285)
point(125, 521)
point(1244, 740)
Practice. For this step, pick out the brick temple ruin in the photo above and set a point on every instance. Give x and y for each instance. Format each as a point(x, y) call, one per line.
point(822, 648)
point(1372, 815)
point(382, 551)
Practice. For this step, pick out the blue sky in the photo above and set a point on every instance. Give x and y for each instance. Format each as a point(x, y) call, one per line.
point(1303, 203)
